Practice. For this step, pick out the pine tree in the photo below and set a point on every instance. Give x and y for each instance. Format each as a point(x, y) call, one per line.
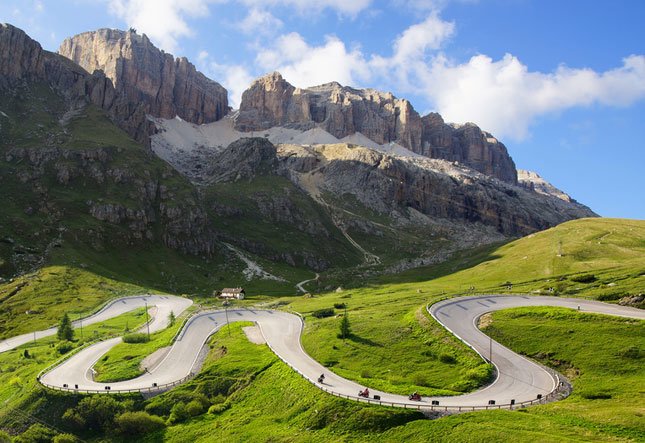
point(171, 318)
point(65, 331)
point(345, 330)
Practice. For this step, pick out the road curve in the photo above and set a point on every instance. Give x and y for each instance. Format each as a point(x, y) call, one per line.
point(114, 308)
point(518, 378)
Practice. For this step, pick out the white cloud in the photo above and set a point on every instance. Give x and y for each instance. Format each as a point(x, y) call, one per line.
point(344, 7)
point(235, 78)
point(164, 21)
point(504, 97)
point(304, 65)
point(259, 21)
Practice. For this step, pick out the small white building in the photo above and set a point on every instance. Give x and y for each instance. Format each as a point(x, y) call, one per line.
point(229, 293)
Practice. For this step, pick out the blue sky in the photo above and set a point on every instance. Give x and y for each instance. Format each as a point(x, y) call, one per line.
point(561, 83)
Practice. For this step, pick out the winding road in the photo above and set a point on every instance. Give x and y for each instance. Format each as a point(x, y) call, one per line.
point(518, 378)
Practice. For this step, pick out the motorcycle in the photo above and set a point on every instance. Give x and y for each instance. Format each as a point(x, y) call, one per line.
point(415, 397)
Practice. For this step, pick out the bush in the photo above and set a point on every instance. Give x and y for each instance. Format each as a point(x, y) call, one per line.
point(194, 408)
point(178, 413)
point(94, 413)
point(36, 433)
point(448, 359)
point(595, 395)
point(135, 338)
point(64, 347)
point(218, 408)
point(138, 423)
point(586, 278)
point(4, 437)
point(65, 438)
point(322, 313)
point(340, 305)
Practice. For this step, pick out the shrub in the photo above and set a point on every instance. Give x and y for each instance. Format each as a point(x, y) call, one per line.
point(218, 408)
point(322, 313)
point(4, 437)
point(178, 413)
point(94, 413)
point(194, 408)
point(36, 433)
point(340, 305)
point(135, 338)
point(595, 395)
point(65, 438)
point(64, 347)
point(448, 359)
point(586, 278)
point(138, 423)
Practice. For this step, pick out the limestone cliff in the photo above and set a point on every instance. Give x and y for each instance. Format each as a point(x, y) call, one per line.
point(272, 101)
point(24, 60)
point(166, 86)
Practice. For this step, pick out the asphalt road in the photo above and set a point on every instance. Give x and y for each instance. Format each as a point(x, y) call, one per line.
point(517, 378)
point(163, 303)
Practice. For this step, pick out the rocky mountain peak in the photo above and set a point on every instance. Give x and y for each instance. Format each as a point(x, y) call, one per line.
point(383, 118)
point(24, 61)
point(167, 87)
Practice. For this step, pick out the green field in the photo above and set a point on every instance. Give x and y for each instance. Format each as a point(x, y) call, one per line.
point(394, 346)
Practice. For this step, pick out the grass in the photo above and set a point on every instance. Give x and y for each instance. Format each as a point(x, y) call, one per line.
point(18, 386)
point(122, 362)
point(396, 347)
point(37, 301)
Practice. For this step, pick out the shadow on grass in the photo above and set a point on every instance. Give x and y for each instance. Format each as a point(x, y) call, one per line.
point(363, 341)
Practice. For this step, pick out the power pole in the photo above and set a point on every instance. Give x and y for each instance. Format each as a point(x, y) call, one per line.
point(80, 321)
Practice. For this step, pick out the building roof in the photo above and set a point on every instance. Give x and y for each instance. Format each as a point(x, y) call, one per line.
point(232, 290)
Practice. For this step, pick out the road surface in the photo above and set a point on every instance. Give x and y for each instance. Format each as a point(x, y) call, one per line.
point(517, 379)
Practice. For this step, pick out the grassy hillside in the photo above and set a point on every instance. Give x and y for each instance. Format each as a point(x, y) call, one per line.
point(244, 393)
point(397, 347)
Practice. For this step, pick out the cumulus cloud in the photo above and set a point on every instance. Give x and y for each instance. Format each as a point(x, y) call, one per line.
point(259, 21)
point(164, 21)
point(235, 78)
point(304, 65)
point(505, 97)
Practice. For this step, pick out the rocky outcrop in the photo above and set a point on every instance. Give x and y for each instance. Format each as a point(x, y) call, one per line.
point(147, 210)
point(390, 185)
point(23, 60)
point(166, 86)
point(533, 182)
point(342, 111)
point(467, 144)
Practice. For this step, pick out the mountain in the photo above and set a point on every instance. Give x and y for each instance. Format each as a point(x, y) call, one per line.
point(263, 185)
point(142, 73)
point(534, 182)
point(342, 111)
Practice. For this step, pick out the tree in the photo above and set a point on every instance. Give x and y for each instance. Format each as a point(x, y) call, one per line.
point(65, 331)
point(171, 318)
point(345, 330)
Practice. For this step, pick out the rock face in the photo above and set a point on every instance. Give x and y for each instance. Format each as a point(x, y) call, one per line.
point(166, 86)
point(24, 60)
point(533, 182)
point(386, 184)
point(342, 111)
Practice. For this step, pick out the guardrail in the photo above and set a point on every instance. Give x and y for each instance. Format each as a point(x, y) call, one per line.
point(560, 391)
point(108, 389)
